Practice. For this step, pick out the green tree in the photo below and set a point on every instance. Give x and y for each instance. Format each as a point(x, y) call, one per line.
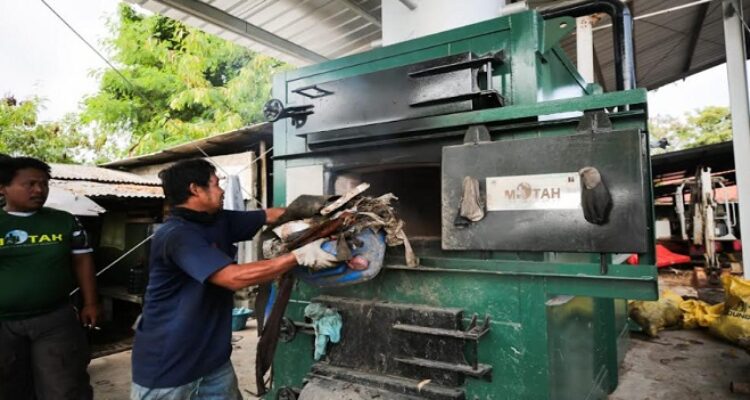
point(21, 134)
point(699, 128)
point(182, 84)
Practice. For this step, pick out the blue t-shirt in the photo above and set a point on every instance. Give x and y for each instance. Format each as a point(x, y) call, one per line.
point(185, 329)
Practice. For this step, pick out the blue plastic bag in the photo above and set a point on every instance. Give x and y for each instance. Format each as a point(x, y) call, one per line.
point(372, 249)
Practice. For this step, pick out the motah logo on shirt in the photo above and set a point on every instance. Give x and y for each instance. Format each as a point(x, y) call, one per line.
point(19, 237)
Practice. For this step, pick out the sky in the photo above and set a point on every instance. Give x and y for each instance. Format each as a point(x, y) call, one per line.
point(707, 88)
point(40, 56)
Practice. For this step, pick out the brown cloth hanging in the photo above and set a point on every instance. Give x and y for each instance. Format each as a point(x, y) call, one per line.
point(270, 334)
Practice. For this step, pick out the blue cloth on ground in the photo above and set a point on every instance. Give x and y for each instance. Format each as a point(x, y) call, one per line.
point(327, 324)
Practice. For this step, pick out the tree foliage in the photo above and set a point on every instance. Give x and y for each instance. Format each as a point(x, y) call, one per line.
point(702, 127)
point(21, 134)
point(181, 84)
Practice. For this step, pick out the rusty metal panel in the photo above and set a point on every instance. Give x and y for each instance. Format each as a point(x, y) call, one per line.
point(99, 189)
point(96, 174)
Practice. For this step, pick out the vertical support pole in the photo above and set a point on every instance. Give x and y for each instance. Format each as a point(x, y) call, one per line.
point(263, 175)
point(585, 48)
point(526, 36)
point(734, 40)
point(535, 350)
point(281, 145)
point(605, 340)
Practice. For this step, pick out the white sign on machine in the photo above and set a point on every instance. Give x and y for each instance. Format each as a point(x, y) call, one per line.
point(561, 191)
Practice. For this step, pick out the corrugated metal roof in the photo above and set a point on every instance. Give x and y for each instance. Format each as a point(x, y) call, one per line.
point(96, 174)
point(663, 51)
point(231, 142)
point(329, 29)
point(100, 189)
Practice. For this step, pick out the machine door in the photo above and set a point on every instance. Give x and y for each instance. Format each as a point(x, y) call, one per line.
point(445, 85)
point(531, 192)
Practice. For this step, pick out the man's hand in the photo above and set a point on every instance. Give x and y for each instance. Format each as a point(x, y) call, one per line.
point(313, 256)
point(273, 214)
point(83, 266)
point(89, 315)
point(304, 206)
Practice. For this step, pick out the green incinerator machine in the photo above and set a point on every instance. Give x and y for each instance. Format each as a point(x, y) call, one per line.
point(524, 298)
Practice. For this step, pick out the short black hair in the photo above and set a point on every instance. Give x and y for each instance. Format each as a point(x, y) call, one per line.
point(9, 167)
point(176, 179)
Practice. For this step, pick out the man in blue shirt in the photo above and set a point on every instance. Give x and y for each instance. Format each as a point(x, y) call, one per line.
point(183, 339)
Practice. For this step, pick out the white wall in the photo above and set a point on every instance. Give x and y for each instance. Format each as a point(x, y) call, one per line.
point(231, 163)
point(234, 164)
point(432, 16)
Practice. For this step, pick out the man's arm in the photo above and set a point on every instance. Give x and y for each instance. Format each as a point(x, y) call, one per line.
point(273, 214)
point(238, 276)
point(83, 268)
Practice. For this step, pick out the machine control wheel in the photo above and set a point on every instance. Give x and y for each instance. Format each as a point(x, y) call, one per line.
point(273, 109)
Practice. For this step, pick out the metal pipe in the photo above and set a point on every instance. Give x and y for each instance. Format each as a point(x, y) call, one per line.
point(622, 34)
point(411, 5)
point(679, 199)
point(263, 175)
point(585, 48)
point(512, 8)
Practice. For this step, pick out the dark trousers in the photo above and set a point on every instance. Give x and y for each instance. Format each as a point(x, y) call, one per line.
point(44, 358)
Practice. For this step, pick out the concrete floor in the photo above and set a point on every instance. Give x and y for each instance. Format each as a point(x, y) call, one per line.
point(110, 375)
point(681, 365)
point(677, 365)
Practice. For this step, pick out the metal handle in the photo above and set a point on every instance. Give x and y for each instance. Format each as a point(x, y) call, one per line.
point(312, 92)
point(497, 57)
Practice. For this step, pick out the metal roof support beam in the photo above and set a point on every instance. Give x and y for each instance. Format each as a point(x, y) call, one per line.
point(734, 39)
point(697, 28)
point(585, 48)
point(243, 28)
point(660, 12)
point(362, 12)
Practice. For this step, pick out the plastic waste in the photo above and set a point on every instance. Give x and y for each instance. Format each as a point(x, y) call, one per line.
point(655, 316)
point(370, 252)
point(734, 323)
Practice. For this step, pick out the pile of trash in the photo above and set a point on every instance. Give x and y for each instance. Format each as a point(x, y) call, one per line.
point(353, 222)
point(729, 320)
point(358, 229)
